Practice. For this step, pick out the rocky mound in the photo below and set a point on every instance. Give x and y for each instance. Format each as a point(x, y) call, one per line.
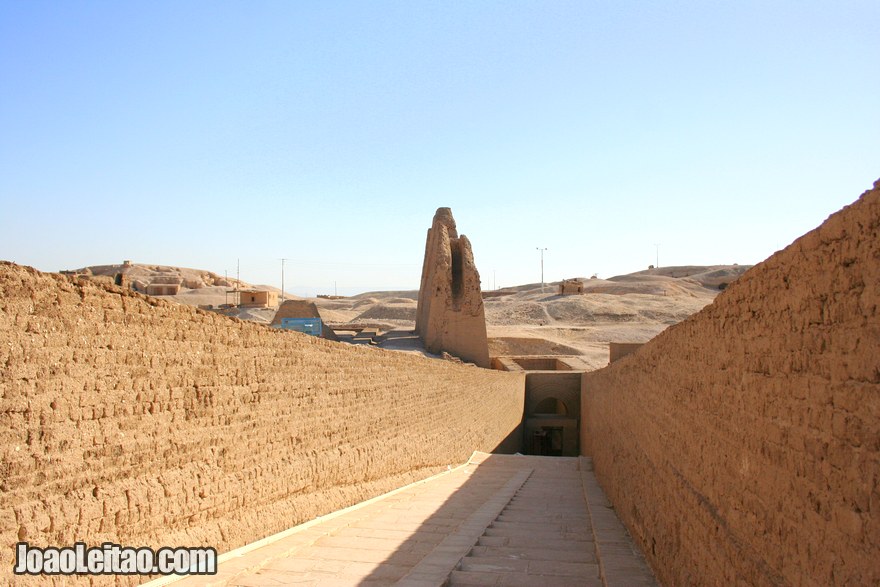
point(186, 277)
point(398, 311)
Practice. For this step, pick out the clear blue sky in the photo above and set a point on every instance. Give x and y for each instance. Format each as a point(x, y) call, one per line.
point(197, 133)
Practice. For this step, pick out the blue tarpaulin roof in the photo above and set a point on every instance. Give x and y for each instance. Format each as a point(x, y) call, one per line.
point(307, 325)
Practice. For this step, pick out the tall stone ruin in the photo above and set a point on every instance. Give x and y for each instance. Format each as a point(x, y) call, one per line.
point(450, 315)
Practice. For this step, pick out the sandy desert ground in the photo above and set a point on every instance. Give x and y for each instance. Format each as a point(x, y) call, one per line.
point(523, 320)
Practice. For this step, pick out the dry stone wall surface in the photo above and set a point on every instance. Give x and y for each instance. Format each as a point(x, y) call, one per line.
point(742, 446)
point(141, 422)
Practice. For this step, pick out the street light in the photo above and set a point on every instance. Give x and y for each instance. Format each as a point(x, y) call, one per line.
point(542, 265)
point(282, 259)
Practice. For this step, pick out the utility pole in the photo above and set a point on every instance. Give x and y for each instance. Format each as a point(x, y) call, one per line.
point(657, 266)
point(542, 266)
point(238, 282)
point(282, 259)
point(335, 291)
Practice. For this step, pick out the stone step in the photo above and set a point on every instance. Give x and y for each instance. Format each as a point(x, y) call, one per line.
point(476, 579)
point(538, 507)
point(540, 518)
point(586, 554)
point(531, 542)
point(572, 570)
point(543, 531)
point(540, 525)
point(545, 508)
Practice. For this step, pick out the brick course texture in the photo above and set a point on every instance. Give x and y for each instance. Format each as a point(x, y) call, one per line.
point(142, 422)
point(742, 446)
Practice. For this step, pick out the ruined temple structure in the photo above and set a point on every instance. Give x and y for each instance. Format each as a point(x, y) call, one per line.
point(450, 315)
point(569, 287)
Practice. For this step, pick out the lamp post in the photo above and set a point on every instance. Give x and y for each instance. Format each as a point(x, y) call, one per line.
point(542, 265)
point(282, 259)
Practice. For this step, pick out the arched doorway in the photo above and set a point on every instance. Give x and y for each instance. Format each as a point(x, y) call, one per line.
point(550, 406)
point(547, 440)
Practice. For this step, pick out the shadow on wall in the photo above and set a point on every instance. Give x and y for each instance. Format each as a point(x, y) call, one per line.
point(512, 443)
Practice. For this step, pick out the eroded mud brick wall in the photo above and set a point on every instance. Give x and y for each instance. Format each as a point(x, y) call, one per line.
point(742, 446)
point(450, 315)
point(141, 422)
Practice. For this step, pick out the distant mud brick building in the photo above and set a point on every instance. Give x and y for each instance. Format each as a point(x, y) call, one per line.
point(618, 350)
point(450, 315)
point(258, 298)
point(163, 289)
point(163, 285)
point(570, 287)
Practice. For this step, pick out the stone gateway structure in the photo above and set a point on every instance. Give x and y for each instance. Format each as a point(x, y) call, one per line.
point(450, 316)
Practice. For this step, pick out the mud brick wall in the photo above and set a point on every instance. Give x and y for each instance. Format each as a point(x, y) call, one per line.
point(742, 446)
point(142, 422)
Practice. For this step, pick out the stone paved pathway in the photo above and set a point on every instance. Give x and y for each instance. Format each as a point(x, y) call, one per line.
point(500, 520)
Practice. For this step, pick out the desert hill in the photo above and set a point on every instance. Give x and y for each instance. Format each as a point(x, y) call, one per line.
point(189, 278)
point(625, 308)
point(524, 319)
point(198, 287)
point(411, 294)
point(712, 276)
